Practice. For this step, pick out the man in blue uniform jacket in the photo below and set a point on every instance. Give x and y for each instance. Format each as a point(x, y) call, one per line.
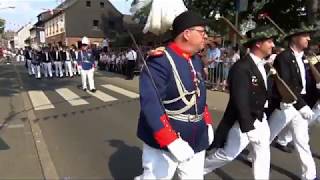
point(174, 122)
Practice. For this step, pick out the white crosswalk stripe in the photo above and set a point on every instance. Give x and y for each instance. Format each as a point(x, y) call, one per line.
point(121, 91)
point(39, 100)
point(102, 96)
point(71, 97)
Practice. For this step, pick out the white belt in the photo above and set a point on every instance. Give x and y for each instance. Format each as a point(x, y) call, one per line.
point(187, 117)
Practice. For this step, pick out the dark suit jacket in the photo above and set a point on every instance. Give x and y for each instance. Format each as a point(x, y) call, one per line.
point(44, 57)
point(248, 95)
point(53, 55)
point(63, 55)
point(28, 54)
point(288, 69)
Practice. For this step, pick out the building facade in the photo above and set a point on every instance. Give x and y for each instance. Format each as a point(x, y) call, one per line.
point(73, 19)
point(22, 37)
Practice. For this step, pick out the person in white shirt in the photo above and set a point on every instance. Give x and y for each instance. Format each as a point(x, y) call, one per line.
point(216, 65)
point(292, 68)
point(68, 62)
point(245, 121)
point(131, 57)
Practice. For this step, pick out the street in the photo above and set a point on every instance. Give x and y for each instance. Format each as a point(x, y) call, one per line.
point(51, 128)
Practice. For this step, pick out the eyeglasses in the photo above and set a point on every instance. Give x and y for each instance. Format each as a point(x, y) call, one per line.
point(201, 31)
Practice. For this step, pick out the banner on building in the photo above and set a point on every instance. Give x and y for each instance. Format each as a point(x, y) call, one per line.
point(42, 37)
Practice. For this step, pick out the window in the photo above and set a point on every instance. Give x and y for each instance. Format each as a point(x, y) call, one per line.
point(102, 4)
point(88, 3)
point(95, 23)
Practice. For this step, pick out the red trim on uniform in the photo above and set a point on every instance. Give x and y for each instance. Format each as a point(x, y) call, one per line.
point(179, 51)
point(207, 116)
point(165, 135)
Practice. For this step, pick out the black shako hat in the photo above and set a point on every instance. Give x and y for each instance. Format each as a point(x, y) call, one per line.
point(186, 20)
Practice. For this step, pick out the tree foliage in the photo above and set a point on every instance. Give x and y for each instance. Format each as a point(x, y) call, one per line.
point(286, 13)
point(2, 23)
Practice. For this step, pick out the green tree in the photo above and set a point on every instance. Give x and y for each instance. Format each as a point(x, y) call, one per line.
point(286, 13)
point(2, 24)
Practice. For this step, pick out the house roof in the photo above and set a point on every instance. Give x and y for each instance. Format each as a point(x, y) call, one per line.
point(69, 3)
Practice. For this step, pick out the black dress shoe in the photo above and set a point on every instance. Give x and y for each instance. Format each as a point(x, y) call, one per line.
point(283, 148)
point(85, 89)
point(93, 90)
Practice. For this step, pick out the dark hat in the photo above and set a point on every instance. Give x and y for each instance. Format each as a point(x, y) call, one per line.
point(186, 20)
point(260, 33)
point(301, 28)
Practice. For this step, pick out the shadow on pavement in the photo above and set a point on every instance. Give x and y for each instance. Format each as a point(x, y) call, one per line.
point(222, 174)
point(3, 145)
point(124, 153)
point(315, 155)
point(243, 159)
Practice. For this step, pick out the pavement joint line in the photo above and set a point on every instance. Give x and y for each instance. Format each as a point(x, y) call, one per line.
point(47, 166)
point(12, 126)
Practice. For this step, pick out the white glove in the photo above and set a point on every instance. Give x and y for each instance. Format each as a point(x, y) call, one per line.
point(318, 86)
point(306, 112)
point(284, 106)
point(181, 150)
point(210, 134)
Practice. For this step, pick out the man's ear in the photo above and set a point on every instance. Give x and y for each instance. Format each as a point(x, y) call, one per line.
point(186, 34)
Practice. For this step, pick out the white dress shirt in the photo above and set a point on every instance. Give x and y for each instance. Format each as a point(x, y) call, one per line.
point(299, 56)
point(131, 55)
point(260, 64)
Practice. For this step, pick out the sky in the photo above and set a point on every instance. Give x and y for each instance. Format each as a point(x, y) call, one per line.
point(26, 11)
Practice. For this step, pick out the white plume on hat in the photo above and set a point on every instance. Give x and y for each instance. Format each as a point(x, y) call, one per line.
point(85, 40)
point(161, 15)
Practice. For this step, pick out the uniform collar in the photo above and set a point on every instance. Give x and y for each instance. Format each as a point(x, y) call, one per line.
point(179, 51)
point(257, 60)
point(297, 54)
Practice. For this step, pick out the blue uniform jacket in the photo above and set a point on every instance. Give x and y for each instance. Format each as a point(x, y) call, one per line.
point(155, 128)
point(86, 60)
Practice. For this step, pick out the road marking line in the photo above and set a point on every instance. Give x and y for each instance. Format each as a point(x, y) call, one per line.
point(39, 100)
point(102, 96)
point(121, 91)
point(71, 97)
point(49, 171)
point(15, 126)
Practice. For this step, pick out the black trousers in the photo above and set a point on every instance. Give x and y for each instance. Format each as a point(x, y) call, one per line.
point(130, 69)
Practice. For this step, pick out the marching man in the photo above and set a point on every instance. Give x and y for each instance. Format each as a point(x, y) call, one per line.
point(244, 121)
point(292, 69)
point(28, 56)
point(47, 62)
point(175, 125)
point(86, 60)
